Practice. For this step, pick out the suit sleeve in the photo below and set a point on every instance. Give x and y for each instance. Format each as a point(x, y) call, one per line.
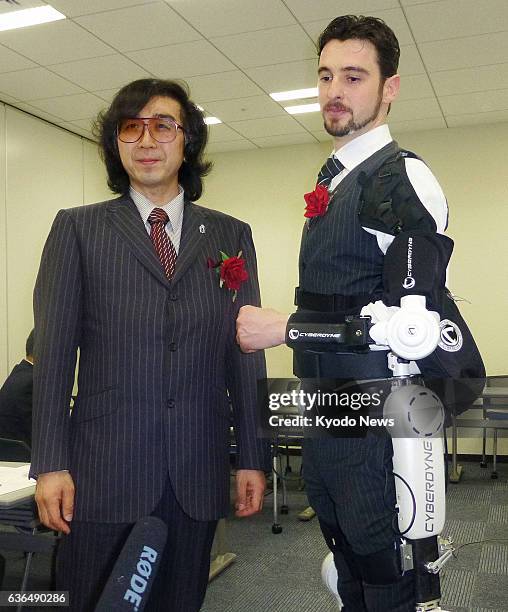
point(57, 317)
point(244, 370)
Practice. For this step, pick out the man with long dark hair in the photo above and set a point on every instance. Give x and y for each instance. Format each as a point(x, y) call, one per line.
point(133, 283)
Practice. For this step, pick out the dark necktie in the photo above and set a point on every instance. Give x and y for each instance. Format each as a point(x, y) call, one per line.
point(331, 168)
point(161, 241)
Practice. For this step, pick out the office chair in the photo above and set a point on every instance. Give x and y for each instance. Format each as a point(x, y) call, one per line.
point(24, 517)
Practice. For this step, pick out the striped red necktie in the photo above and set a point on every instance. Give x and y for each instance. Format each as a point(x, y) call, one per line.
point(161, 241)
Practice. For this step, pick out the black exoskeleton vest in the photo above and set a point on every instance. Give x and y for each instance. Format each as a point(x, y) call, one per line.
point(388, 203)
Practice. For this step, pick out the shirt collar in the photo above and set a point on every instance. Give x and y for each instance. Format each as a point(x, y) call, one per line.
point(358, 150)
point(173, 208)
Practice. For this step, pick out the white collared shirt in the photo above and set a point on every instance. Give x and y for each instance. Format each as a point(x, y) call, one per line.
point(423, 181)
point(173, 208)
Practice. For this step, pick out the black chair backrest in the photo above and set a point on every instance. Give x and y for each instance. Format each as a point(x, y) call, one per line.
point(14, 450)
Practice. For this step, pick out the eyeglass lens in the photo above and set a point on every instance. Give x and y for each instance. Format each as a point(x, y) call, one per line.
point(160, 129)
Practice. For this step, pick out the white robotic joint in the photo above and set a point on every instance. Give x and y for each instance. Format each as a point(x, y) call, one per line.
point(411, 331)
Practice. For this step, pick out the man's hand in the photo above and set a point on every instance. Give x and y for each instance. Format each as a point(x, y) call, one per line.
point(260, 328)
point(54, 495)
point(250, 490)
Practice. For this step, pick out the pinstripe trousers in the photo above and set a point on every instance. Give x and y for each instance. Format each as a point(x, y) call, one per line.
point(350, 485)
point(87, 556)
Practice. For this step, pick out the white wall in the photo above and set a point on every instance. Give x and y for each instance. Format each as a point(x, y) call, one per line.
point(3, 249)
point(42, 169)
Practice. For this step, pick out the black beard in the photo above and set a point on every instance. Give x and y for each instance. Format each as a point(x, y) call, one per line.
point(351, 126)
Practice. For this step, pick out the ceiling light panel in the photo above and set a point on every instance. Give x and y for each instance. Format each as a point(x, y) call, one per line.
point(295, 94)
point(12, 20)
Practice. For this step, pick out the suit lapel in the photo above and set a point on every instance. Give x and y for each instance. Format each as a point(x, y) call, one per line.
point(194, 228)
point(124, 218)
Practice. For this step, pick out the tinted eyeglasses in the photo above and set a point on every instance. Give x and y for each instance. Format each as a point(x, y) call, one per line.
point(161, 129)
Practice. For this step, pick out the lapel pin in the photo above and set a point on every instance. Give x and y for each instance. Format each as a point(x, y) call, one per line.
point(202, 229)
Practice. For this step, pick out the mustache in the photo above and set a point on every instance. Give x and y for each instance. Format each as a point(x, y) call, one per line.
point(336, 106)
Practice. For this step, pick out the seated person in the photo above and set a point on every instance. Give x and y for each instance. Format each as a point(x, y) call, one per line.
point(16, 399)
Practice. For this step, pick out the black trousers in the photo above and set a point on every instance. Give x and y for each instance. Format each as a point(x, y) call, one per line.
point(350, 485)
point(87, 555)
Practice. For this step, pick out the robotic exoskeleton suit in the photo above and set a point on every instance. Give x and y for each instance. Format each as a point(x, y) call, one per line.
point(377, 253)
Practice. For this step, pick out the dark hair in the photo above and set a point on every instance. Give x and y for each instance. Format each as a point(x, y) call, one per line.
point(127, 103)
point(372, 29)
point(29, 348)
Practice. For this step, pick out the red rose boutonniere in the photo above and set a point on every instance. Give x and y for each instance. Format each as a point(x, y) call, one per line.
point(317, 202)
point(231, 271)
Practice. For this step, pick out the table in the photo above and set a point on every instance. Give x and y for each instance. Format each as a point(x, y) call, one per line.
point(486, 422)
point(18, 497)
point(17, 510)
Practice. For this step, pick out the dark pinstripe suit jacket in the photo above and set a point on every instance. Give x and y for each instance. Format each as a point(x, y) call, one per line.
point(156, 359)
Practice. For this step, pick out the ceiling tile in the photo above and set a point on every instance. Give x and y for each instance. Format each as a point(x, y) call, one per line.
point(415, 109)
point(478, 102)
point(8, 99)
point(29, 108)
point(257, 48)
point(465, 52)
point(269, 126)
point(122, 30)
point(221, 86)
point(224, 147)
point(222, 133)
point(106, 94)
point(84, 124)
point(394, 17)
point(284, 140)
point(244, 108)
point(265, 47)
point(5, 8)
point(329, 9)
point(10, 60)
point(322, 136)
point(183, 60)
point(477, 118)
point(35, 83)
point(313, 122)
point(412, 2)
point(480, 78)
point(73, 8)
point(68, 42)
point(415, 125)
point(101, 73)
point(415, 86)
point(225, 17)
point(410, 61)
point(76, 129)
point(70, 108)
point(457, 19)
point(286, 76)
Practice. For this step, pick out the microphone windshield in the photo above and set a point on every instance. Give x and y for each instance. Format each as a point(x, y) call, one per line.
point(133, 575)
